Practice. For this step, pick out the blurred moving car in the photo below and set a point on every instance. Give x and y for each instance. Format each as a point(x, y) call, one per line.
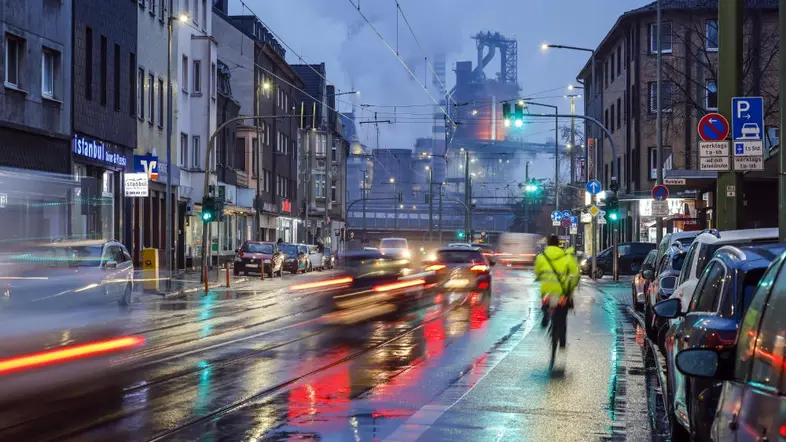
point(37, 364)
point(67, 273)
point(640, 284)
point(461, 269)
point(752, 403)
point(663, 281)
point(702, 249)
point(395, 248)
point(259, 256)
point(724, 292)
point(630, 255)
point(295, 257)
point(329, 260)
point(488, 250)
point(517, 248)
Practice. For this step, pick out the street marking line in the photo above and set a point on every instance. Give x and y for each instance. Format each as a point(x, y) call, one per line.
point(420, 422)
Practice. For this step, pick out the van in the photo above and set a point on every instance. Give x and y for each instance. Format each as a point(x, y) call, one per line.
point(517, 248)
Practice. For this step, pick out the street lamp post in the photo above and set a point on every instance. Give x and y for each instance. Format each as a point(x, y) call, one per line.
point(556, 152)
point(430, 203)
point(168, 200)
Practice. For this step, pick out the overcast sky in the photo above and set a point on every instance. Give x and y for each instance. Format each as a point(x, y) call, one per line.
point(332, 31)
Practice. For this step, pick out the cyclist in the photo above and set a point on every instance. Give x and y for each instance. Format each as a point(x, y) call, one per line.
point(558, 274)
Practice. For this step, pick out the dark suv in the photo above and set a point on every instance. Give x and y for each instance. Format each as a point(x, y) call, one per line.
point(631, 257)
point(258, 256)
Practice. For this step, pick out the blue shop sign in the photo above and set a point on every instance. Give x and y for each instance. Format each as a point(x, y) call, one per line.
point(105, 153)
point(146, 164)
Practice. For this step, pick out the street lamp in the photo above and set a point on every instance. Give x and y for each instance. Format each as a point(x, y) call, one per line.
point(347, 93)
point(266, 85)
point(392, 180)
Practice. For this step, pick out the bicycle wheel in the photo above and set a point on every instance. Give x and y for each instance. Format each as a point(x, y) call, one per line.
point(554, 342)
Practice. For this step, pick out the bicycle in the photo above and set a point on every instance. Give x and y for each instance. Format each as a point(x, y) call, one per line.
point(558, 323)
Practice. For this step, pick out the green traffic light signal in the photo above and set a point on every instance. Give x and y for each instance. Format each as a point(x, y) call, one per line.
point(460, 234)
point(613, 216)
point(207, 216)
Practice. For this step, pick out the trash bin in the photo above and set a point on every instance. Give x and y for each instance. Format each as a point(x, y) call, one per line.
point(150, 269)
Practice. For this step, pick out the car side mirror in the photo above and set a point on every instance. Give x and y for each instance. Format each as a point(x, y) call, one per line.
point(111, 264)
point(669, 308)
point(648, 274)
point(698, 362)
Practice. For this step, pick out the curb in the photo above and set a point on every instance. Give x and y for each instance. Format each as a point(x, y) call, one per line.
point(185, 291)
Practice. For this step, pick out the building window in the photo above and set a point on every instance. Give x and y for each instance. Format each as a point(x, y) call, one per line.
point(665, 42)
point(266, 181)
point(334, 151)
point(204, 14)
point(711, 101)
point(89, 64)
point(610, 118)
point(152, 6)
point(140, 93)
point(267, 134)
point(606, 73)
point(185, 7)
point(279, 141)
point(14, 50)
point(711, 36)
point(195, 152)
point(160, 103)
point(254, 156)
point(196, 11)
point(213, 85)
point(666, 98)
point(151, 95)
point(619, 113)
point(611, 70)
point(50, 67)
point(116, 79)
point(104, 69)
point(333, 191)
point(197, 77)
point(319, 185)
point(184, 80)
point(132, 86)
point(606, 118)
point(183, 150)
point(619, 60)
point(320, 149)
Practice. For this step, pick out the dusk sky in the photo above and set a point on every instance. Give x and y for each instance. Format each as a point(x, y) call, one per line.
point(332, 31)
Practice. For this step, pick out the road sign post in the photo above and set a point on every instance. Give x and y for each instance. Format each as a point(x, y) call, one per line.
point(713, 127)
point(660, 192)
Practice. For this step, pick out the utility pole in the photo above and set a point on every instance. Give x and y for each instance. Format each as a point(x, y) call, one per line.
point(659, 116)
point(781, 156)
point(466, 191)
point(526, 198)
point(572, 139)
point(365, 182)
point(168, 201)
point(730, 60)
point(258, 202)
point(441, 189)
point(556, 166)
point(430, 204)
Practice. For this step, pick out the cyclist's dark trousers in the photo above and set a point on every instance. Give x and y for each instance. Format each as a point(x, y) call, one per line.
point(559, 325)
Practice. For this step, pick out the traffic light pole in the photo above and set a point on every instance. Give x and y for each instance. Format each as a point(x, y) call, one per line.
point(430, 205)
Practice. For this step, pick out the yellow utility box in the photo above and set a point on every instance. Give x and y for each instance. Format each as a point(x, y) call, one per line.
point(150, 268)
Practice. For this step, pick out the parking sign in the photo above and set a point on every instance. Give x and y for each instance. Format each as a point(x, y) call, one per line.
point(747, 118)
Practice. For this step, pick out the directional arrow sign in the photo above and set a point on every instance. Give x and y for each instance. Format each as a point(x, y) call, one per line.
point(594, 187)
point(566, 214)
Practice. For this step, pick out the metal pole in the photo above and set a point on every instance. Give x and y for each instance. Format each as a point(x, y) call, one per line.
point(781, 156)
point(556, 163)
point(168, 201)
point(593, 199)
point(659, 115)
point(258, 202)
point(365, 179)
point(526, 198)
point(730, 61)
point(430, 205)
point(573, 140)
point(441, 189)
point(466, 190)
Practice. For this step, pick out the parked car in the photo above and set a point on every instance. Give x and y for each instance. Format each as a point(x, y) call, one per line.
point(328, 258)
point(663, 281)
point(723, 294)
point(702, 249)
point(631, 255)
point(752, 403)
point(259, 256)
point(640, 284)
point(314, 254)
point(89, 271)
point(295, 257)
point(685, 239)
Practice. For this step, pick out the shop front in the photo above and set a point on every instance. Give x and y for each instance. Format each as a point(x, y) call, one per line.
point(98, 203)
point(286, 225)
point(683, 216)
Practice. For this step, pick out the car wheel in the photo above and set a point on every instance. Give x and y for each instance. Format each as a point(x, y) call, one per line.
point(598, 273)
point(236, 272)
point(127, 298)
point(269, 273)
point(295, 271)
point(678, 433)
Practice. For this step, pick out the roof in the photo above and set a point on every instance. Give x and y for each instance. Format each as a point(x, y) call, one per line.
point(729, 236)
point(673, 5)
point(751, 257)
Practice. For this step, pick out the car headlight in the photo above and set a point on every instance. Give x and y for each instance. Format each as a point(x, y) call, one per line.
point(238, 259)
point(584, 262)
point(290, 260)
point(407, 254)
point(267, 261)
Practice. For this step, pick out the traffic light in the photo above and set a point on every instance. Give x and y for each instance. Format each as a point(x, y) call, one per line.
point(208, 209)
point(460, 234)
point(532, 187)
point(518, 113)
point(506, 116)
point(612, 208)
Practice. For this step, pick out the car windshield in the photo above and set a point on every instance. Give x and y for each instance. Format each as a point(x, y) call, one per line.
point(459, 256)
point(677, 261)
point(258, 248)
point(288, 249)
point(393, 244)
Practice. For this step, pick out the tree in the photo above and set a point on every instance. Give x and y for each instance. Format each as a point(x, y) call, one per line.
point(690, 70)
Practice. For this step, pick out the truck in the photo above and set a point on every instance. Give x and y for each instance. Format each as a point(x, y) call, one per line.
point(518, 248)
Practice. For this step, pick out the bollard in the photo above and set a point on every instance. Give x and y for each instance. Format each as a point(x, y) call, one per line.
point(262, 269)
point(227, 266)
point(205, 278)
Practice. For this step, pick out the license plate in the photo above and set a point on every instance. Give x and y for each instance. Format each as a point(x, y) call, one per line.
point(454, 297)
point(456, 283)
point(253, 266)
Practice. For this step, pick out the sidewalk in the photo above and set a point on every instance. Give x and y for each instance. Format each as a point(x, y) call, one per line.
point(188, 282)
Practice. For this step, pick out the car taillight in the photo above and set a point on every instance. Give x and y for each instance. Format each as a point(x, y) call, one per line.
point(719, 339)
point(74, 352)
point(483, 285)
point(479, 268)
point(398, 285)
point(325, 283)
point(435, 267)
point(474, 298)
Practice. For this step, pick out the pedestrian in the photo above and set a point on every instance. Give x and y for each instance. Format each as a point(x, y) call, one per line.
point(558, 274)
point(280, 241)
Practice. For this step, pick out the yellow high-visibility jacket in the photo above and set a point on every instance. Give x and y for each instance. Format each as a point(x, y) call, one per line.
point(567, 271)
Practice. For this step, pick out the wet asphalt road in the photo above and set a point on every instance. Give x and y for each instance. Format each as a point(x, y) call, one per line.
point(261, 365)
